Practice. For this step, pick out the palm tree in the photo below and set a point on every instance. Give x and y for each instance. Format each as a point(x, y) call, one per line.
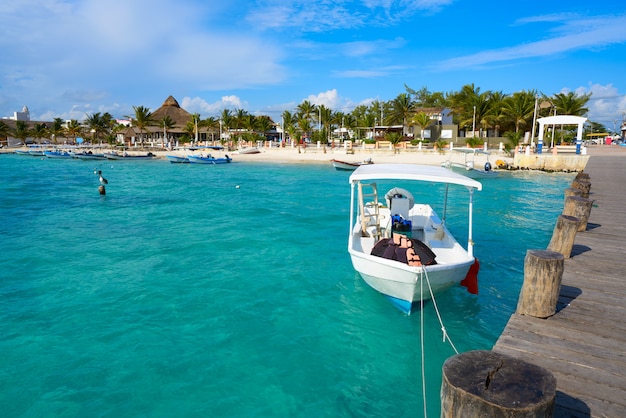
point(57, 129)
point(40, 130)
point(73, 129)
point(422, 120)
point(519, 108)
point(394, 138)
point(264, 124)
point(166, 123)
point(471, 106)
point(142, 119)
point(289, 124)
point(21, 131)
point(571, 103)
point(401, 108)
point(228, 120)
point(306, 110)
point(4, 132)
point(211, 124)
point(98, 124)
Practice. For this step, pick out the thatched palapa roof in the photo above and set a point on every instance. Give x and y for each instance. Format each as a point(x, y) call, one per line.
point(171, 108)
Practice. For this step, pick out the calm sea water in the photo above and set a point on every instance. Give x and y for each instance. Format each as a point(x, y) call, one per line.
point(180, 294)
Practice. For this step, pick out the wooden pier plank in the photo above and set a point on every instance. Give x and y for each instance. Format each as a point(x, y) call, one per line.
point(583, 344)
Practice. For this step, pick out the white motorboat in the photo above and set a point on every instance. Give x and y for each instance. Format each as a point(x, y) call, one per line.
point(177, 159)
point(468, 166)
point(249, 150)
point(348, 166)
point(209, 159)
point(389, 231)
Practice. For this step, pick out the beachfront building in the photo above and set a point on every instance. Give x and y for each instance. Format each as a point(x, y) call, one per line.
point(24, 115)
point(154, 134)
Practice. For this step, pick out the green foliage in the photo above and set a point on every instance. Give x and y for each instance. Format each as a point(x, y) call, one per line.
point(474, 142)
point(513, 139)
point(441, 146)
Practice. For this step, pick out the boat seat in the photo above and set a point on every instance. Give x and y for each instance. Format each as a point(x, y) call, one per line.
point(400, 206)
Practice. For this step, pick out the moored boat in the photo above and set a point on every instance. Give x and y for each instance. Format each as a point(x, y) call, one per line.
point(58, 154)
point(468, 166)
point(177, 159)
point(348, 166)
point(209, 159)
point(126, 156)
point(249, 150)
point(402, 248)
point(88, 155)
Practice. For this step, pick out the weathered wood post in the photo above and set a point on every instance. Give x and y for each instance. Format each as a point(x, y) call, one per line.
point(583, 176)
point(488, 384)
point(578, 207)
point(564, 235)
point(543, 271)
point(572, 191)
point(583, 185)
point(102, 190)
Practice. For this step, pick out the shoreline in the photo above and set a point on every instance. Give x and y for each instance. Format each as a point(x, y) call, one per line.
point(315, 155)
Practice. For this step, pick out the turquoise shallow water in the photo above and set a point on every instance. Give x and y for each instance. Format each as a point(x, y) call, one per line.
point(179, 294)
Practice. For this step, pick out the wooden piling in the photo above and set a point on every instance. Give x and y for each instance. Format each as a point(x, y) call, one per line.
point(564, 235)
point(102, 190)
point(543, 271)
point(578, 207)
point(583, 185)
point(488, 384)
point(583, 176)
point(572, 191)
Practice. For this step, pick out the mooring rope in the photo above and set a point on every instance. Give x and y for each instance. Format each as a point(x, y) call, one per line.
point(424, 275)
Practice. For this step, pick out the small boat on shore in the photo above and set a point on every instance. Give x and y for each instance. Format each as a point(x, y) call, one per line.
point(126, 156)
point(249, 150)
point(467, 167)
point(177, 159)
point(347, 166)
point(209, 159)
point(402, 248)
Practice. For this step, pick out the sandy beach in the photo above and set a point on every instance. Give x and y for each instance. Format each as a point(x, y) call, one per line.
point(380, 156)
point(321, 155)
point(315, 155)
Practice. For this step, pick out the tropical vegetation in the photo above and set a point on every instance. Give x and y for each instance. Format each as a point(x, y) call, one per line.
point(479, 115)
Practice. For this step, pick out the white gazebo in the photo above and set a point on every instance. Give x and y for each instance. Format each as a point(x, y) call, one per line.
point(561, 120)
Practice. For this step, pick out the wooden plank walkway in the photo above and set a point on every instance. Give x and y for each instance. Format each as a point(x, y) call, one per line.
point(584, 343)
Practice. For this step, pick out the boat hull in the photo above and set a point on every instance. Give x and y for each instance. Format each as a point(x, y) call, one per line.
point(472, 173)
point(58, 154)
point(175, 159)
point(208, 160)
point(251, 150)
point(347, 166)
point(408, 284)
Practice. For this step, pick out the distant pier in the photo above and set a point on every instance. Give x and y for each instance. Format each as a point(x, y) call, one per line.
point(584, 343)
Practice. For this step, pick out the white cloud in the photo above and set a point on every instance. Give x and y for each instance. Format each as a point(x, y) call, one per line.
point(206, 109)
point(606, 105)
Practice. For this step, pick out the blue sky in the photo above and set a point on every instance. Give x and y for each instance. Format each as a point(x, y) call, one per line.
point(65, 58)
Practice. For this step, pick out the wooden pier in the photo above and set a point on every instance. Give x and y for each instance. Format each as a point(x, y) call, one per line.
point(584, 343)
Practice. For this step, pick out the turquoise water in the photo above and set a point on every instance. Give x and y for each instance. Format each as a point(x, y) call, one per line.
point(180, 294)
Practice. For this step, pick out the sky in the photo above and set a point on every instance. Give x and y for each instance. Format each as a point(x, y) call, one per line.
point(72, 58)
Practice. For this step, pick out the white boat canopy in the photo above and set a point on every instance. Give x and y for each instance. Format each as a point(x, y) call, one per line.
point(431, 174)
